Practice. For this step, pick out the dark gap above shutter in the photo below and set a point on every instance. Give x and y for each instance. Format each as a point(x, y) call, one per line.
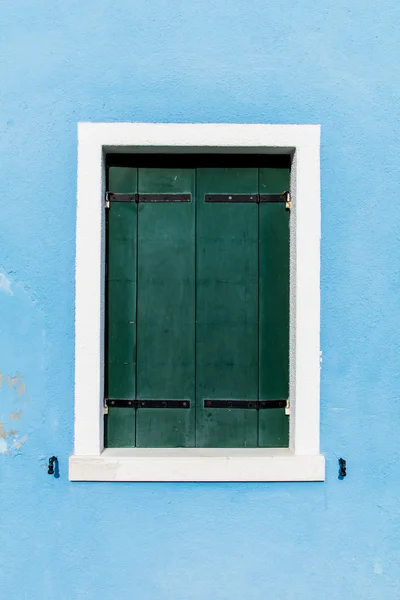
point(196, 161)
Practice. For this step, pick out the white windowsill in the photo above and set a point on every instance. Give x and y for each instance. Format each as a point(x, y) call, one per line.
point(197, 464)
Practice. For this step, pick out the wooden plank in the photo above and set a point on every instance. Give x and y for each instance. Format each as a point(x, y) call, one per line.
point(274, 309)
point(120, 428)
point(274, 180)
point(121, 309)
point(226, 308)
point(122, 180)
point(166, 309)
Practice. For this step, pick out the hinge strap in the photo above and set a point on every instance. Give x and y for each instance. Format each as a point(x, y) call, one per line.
point(221, 198)
point(255, 404)
point(208, 403)
point(139, 198)
point(256, 198)
point(111, 197)
point(144, 403)
point(263, 198)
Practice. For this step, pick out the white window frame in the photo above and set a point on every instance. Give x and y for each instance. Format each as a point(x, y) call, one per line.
point(302, 461)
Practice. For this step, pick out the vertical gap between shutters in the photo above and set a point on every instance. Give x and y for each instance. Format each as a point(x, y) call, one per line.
point(258, 309)
point(137, 295)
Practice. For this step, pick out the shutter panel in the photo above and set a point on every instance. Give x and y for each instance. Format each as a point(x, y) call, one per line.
point(274, 308)
point(121, 308)
point(226, 307)
point(166, 308)
point(202, 288)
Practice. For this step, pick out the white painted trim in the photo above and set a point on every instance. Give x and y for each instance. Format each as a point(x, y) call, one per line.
point(196, 464)
point(303, 142)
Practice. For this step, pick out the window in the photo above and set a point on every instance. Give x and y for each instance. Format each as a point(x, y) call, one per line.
point(206, 351)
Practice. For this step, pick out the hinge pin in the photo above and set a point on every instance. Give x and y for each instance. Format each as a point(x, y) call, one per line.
point(288, 203)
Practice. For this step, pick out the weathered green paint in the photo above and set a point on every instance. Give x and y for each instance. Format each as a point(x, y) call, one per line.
point(121, 307)
point(121, 300)
point(274, 309)
point(121, 363)
point(226, 308)
point(120, 428)
point(208, 284)
point(273, 428)
point(122, 180)
point(274, 180)
point(166, 308)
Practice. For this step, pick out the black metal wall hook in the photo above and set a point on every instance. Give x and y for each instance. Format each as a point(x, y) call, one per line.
point(53, 462)
point(342, 468)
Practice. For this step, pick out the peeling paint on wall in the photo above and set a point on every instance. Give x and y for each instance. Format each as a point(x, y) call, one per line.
point(5, 285)
point(17, 383)
point(16, 415)
point(11, 439)
point(378, 569)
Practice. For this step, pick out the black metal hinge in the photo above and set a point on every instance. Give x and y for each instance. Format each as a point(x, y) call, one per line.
point(208, 403)
point(140, 403)
point(257, 198)
point(221, 198)
point(139, 198)
point(255, 404)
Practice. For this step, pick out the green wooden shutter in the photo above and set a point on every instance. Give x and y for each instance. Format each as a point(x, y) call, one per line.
point(226, 308)
point(166, 308)
point(197, 308)
point(274, 308)
point(121, 308)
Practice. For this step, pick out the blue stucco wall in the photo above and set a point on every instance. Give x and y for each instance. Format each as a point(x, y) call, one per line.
point(331, 62)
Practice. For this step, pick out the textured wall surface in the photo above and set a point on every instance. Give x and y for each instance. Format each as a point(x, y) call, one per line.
point(333, 63)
